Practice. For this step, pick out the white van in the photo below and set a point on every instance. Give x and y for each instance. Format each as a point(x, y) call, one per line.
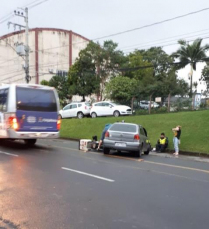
point(29, 112)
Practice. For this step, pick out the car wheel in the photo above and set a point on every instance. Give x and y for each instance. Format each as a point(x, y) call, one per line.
point(106, 150)
point(80, 115)
point(93, 115)
point(30, 142)
point(148, 149)
point(146, 152)
point(116, 113)
point(138, 153)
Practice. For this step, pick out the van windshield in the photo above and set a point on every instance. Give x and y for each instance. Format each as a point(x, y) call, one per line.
point(30, 99)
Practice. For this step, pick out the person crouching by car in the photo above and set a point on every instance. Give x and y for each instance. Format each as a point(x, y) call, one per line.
point(162, 143)
point(107, 126)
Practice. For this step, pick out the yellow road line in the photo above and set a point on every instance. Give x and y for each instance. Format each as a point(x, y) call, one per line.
point(126, 158)
point(177, 166)
point(137, 160)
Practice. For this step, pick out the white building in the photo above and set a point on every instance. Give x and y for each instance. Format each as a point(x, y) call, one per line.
point(51, 51)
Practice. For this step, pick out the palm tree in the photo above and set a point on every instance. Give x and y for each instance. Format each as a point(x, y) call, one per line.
point(190, 54)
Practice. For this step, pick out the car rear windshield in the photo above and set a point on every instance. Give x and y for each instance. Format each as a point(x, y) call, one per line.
point(123, 128)
point(30, 99)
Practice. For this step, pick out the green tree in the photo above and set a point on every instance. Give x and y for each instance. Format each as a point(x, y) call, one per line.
point(205, 77)
point(106, 60)
point(62, 86)
point(190, 54)
point(121, 89)
point(155, 74)
point(161, 61)
point(82, 77)
point(45, 82)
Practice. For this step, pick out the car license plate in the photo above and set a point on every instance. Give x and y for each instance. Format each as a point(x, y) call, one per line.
point(120, 144)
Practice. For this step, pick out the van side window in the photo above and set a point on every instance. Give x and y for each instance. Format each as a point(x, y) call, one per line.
point(3, 99)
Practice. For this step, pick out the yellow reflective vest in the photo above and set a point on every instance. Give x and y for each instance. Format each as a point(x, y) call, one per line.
point(162, 141)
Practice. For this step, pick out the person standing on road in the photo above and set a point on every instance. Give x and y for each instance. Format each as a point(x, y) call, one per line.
point(162, 143)
point(107, 126)
point(176, 139)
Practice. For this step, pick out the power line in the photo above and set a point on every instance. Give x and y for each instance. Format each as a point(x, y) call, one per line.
point(1, 22)
point(39, 3)
point(139, 28)
point(162, 39)
point(153, 24)
point(162, 43)
point(33, 2)
point(204, 38)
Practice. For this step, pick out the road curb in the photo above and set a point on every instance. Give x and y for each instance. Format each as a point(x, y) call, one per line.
point(184, 153)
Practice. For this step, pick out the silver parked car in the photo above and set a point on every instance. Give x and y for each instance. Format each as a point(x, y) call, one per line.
point(127, 137)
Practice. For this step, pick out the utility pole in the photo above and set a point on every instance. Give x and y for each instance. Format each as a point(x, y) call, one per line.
point(27, 77)
point(26, 46)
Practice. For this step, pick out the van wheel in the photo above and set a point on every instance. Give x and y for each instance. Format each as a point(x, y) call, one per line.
point(80, 115)
point(30, 142)
point(93, 115)
point(116, 113)
point(106, 150)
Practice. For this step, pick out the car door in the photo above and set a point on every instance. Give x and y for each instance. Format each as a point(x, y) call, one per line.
point(147, 140)
point(143, 139)
point(73, 110)
point(107, 109)
point(98, 108)
point(66, 111)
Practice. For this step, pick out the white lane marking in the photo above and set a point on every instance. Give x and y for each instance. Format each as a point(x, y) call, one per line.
point(10, 154)
point(88, 174)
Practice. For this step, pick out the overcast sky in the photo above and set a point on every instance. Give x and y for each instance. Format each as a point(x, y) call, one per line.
point(98, 18)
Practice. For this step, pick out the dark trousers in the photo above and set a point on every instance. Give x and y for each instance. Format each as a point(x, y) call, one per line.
point(161, 148)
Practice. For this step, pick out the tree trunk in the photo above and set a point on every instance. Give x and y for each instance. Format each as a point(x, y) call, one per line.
point(83, 98)
point(193, 101)
point(132, 104)
point(150, 99)
point(169, 104)
point(191, 81)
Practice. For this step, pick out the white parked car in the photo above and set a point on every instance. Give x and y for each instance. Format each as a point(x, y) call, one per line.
point(109, 108)
point(145, 104)
point(75, 109)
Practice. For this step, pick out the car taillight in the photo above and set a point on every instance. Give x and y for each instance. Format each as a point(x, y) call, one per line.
point(58, 123)
point(107, 134)
point(136, 137)
point(13, 123)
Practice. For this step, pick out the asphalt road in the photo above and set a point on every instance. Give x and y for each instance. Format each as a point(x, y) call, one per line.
point(54, 186)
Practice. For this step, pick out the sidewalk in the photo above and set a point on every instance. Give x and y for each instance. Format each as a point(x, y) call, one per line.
point(184, 157)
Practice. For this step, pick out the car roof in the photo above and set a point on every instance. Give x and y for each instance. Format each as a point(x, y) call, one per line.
point(127, 123)
point(76, 103)
point(103, 102)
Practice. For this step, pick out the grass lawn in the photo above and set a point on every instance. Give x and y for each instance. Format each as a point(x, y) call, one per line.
point(195, 128)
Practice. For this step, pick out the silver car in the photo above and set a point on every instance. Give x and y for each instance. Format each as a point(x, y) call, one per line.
point(127, 137)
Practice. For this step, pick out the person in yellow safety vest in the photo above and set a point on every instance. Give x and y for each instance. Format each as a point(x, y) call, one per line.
point(162, 143)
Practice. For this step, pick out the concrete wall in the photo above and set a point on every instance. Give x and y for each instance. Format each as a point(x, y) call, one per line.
point(11, 65)
point(51, 50)
point(78, 43)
